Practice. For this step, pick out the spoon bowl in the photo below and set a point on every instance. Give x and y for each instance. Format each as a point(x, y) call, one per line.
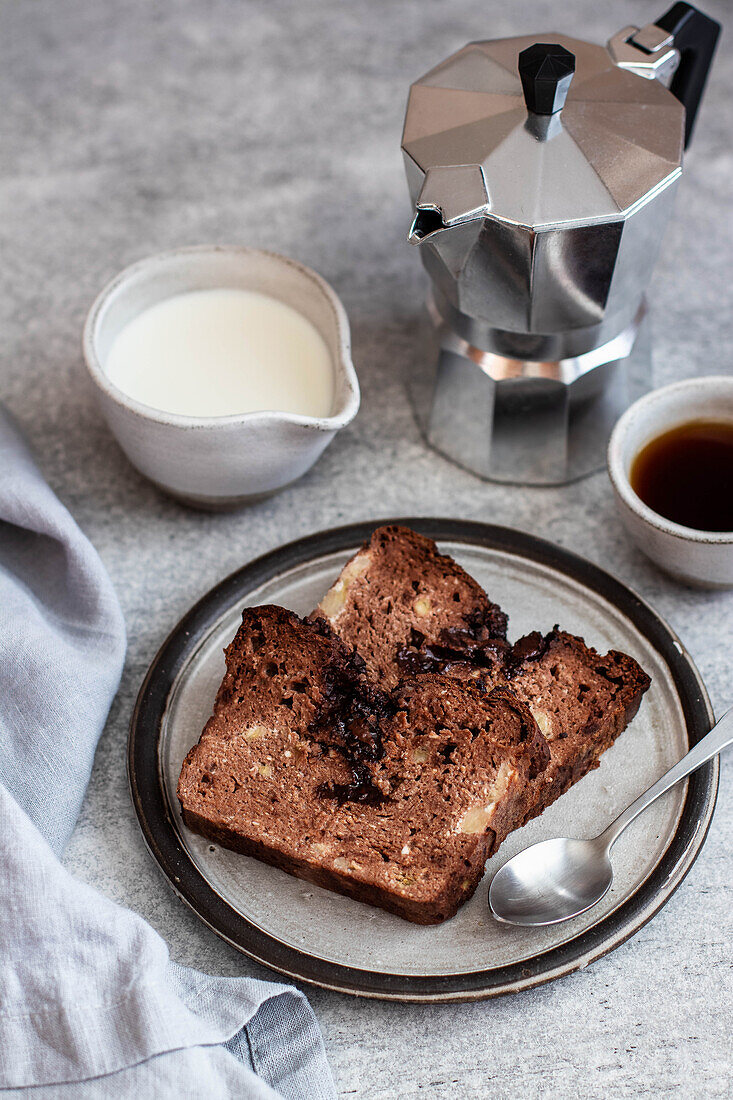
point(559, 879)
point(551, 882)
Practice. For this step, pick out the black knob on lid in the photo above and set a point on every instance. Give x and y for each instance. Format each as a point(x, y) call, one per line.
point(546, 70)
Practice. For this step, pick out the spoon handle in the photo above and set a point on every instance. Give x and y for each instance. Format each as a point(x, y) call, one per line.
point(720, 736)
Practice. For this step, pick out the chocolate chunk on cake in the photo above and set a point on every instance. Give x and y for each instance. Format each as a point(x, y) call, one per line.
point(581, 700)
point(397, 584)
point(396, 800)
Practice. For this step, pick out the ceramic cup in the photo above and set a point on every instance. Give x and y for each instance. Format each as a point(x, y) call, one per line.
point(223, 461)
point(703, 558)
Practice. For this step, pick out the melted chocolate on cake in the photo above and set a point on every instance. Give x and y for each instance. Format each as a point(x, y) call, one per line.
point(351, 717)
point(461, 647)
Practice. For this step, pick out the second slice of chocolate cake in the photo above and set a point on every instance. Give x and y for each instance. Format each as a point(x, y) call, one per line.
point(397, 583)
point(408, 610)
point(581, 699)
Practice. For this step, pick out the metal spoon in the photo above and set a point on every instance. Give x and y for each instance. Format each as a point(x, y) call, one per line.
point(559, 879)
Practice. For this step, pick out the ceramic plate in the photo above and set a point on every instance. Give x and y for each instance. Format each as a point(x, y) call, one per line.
point(314, 935)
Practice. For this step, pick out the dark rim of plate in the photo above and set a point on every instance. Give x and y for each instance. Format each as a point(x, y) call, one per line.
point(162, 838)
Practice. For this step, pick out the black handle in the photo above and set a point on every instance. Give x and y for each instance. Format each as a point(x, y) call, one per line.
point(695, 36)
point(546, 70)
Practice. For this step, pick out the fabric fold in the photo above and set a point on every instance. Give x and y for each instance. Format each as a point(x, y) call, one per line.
point(62, 645)
point(91, 1005)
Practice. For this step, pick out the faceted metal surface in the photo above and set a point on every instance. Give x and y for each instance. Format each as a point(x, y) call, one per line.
point(448, 197)
point(542, 225)
point(540, 234)
point(570, 289)
point(470, 110)
point(526, 421)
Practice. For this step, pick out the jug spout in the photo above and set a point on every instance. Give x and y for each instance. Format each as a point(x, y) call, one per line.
point(450, 195)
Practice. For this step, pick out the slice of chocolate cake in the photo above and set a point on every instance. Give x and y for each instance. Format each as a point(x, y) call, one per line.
point(397, 583)
point(396, 801)
point(581, 700)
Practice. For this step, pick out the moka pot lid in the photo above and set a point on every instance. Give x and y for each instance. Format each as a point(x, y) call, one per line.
point(549, 133)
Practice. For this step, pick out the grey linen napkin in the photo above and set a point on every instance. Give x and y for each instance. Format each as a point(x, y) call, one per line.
point(91, 1005)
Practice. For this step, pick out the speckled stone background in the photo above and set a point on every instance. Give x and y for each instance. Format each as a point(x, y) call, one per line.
point(127, 127)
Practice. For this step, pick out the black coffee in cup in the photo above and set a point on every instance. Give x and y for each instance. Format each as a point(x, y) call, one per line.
point(686, 475)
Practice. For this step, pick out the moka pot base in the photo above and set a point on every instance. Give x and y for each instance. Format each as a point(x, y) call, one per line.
point(521, 420)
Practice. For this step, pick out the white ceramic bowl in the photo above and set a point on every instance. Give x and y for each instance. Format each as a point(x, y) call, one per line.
point(225, 460)
point(703, 558)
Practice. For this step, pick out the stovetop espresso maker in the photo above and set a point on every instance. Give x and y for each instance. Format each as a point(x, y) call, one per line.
point(542, 174)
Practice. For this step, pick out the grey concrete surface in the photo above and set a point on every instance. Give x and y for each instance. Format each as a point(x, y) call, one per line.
point(129, 127)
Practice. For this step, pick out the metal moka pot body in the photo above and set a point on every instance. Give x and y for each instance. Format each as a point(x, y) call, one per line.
point(543, 175)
